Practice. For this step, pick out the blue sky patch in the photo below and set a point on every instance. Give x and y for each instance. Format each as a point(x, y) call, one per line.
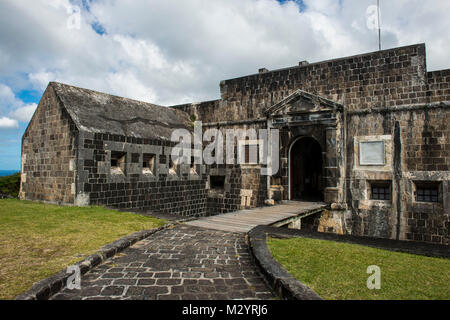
point(300, 3)
point(98, 28)
point(30, 96)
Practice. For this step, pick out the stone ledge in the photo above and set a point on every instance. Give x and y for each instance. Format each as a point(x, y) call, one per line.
point(412, 247)
point(278, 278)
point(46, 288)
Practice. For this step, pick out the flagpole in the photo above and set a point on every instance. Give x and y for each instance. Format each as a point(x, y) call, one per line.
point(379, 25)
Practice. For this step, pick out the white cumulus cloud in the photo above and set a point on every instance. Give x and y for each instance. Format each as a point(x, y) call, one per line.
point(169, 52)
point(15, 108)
point(24, 113)
point(7, 123)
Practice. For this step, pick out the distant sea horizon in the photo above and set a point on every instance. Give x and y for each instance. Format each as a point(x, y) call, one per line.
point(4, 173)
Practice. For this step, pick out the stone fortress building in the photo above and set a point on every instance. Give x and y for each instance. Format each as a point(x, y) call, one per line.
point(368, 134)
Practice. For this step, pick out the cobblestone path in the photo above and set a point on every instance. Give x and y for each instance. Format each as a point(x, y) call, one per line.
point(184, 262)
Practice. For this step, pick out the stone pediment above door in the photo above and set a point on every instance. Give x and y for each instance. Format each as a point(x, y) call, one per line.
point(301, 102)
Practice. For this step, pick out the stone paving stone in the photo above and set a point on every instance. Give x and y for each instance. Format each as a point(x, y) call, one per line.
point(91, 291)
point(184, 262)
point(171, 282)
point(146, 282)
point(111, 291)
point(135, 291)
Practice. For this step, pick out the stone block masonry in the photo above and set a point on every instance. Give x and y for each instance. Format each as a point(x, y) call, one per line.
point(378, 91)
point(423, 158)
point(366, 134)
point(69, 157)
point(383, 78)
point(48, 154)
point(179, 192)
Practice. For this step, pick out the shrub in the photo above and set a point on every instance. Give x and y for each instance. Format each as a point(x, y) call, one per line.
point(10, 185)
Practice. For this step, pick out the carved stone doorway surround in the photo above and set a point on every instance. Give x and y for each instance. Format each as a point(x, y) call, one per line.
point(303, 114)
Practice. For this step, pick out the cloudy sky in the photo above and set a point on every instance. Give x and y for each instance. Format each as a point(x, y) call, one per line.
point(177, 51)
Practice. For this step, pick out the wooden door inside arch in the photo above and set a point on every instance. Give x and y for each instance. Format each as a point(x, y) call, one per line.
point(306, 170)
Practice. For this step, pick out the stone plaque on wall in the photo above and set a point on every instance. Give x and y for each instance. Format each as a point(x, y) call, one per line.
point(371, 153)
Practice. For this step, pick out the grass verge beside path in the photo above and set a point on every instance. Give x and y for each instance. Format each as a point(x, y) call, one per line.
point(38, 240)
point(338, 270)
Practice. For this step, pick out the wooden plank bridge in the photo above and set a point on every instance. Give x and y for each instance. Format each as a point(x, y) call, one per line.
point(245, 220)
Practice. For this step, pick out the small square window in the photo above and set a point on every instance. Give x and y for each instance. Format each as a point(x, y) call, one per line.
point(148, 163)
point(380, 190)
point(217, 182)
point(427, 191)
point(118, 160)
point(172, 167)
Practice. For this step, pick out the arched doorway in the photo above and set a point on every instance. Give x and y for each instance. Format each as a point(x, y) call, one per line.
point(305, 170)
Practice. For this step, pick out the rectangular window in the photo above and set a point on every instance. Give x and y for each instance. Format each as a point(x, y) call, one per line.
point(193, 166)
point(427, 191)
point(172, 167)
point(248, 152)
point(380, 190)
point(148, 163)
point(217, 182)
point(118, 161)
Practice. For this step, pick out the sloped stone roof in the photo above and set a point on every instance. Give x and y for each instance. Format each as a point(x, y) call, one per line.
point(98, 112)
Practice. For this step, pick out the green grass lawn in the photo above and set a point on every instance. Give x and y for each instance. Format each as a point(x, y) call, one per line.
point(338, 270)
point(38, 240)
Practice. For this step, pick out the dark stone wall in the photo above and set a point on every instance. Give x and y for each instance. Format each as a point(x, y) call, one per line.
point(48, 154)
point(206, 111)
point(179, 192)
point(245, 186)
point(384, 78)
point(439, 85)
point(227, 199)
point(385, 94)
point(428, 222)
point(247, 189)
point(427, 139)
point(423, 156)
